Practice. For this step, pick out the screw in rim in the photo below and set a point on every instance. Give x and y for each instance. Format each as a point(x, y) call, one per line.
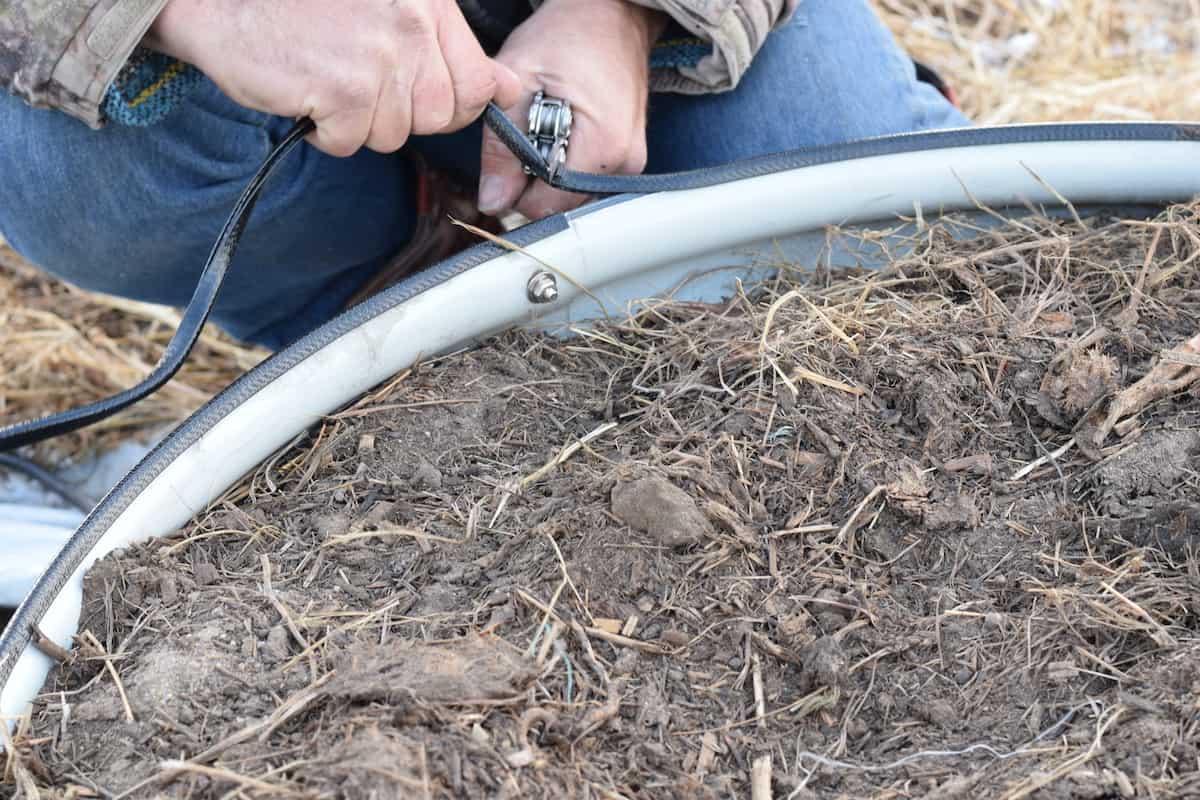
point(542, 288)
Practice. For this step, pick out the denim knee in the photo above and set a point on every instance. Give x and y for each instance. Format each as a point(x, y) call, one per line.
point(129, 211)
point(833, 74)
point(135, 211)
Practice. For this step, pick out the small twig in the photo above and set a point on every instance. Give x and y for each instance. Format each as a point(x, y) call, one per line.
point(269, 591)
point(1129, 313)
point(562, 565)
point(819, 379)
point(1057, 195)
point(1041, 778)
point(500, 241)
point(832, 448)
point(1032, 465)
point(566, 453)
point(760, 778)
point(50, 648)
point(589, 654)
point(802, 531)
point(172, 770)
point(1164, 379)
point(771, 648)
point(1160, 636)
point(600, 715)
point(384, 531)
point(548, 641)
point(547, 613)
point(852, 523)
point(824, 697)
point(625, 641)
point(15, 770)
point(112, 671)
point(263, 728)
point(838, 332)
point(760, 695)
point(521, 594)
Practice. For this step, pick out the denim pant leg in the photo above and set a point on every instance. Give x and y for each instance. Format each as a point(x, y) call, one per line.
point(832, 74)
point(135, 211)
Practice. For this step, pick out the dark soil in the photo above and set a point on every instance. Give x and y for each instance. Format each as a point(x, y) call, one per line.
point(817, 535)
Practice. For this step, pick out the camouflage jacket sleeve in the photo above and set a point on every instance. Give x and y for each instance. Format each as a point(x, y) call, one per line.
point(733, 31)
point(64, 54)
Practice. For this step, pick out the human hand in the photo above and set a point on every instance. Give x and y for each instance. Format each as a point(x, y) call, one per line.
point(596, 54)
point(367, 72)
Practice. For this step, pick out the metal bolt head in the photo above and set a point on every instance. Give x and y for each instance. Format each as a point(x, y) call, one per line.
point(542, 288)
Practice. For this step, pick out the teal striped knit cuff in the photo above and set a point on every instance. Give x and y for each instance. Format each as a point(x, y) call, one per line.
point(676, 53)
point(148, 87)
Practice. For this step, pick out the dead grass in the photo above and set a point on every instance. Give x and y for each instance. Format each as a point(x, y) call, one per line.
point(1048, 60)
point(61, 346)
point(1010, 60)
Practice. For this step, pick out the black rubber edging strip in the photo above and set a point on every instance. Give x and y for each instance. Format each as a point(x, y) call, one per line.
point(17, 634)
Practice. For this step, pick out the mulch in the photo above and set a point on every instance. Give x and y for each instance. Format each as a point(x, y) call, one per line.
point(920, 532)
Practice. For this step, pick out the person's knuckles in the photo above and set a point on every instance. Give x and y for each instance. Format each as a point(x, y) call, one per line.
point(478, 85)
point(473, 74)
point(385, 143)
point(433, 103)
point(597, 146)
point(350, 89)
point(406, 20)
point(391, 118)
point(389, 132)
point(636, 158)
point(508, 86)
point(474, 87)
point(340, 140)
point(610, 157)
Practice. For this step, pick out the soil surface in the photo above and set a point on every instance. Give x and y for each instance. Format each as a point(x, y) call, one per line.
point(924, 532)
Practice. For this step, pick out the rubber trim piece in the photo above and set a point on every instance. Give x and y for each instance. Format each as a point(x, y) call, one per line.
point(590, 183)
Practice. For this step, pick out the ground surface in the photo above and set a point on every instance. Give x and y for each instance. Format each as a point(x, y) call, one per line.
point(955, 607)
point(860, 536)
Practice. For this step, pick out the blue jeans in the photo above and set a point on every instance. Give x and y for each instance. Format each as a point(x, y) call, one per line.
point(134, 211)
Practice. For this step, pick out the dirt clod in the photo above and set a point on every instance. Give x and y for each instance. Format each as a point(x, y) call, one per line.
point(462, 672)
point(655, 506)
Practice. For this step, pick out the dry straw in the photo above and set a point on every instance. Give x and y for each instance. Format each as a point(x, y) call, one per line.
point(1055, 60)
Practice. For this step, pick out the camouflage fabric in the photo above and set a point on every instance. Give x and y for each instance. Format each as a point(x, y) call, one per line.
point(734, 30)
point(64, 54)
